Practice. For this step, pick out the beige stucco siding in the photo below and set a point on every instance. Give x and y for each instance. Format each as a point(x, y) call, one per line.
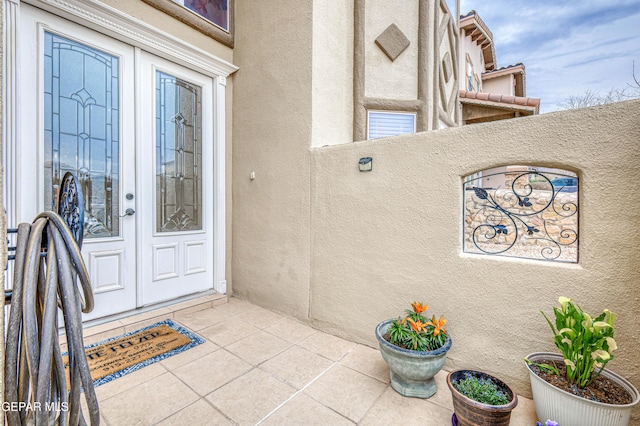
point(272, 136)
point(332, 96)
point(383, 78)
point(374, 242)
point(384, 239)
point(504, 85)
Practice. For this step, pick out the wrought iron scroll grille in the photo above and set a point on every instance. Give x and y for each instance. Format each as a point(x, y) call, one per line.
point(522, 212)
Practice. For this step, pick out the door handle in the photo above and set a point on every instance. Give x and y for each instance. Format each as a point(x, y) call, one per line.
point(128, 212)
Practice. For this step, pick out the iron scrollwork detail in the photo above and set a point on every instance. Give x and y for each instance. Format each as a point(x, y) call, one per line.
point(71, 206)
point(522, 220)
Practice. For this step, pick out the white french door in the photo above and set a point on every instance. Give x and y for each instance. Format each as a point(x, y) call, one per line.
point(176, 180)
point(137, 131)
point(77, 114)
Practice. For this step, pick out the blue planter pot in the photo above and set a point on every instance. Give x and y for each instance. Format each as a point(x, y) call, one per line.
point(411, 372)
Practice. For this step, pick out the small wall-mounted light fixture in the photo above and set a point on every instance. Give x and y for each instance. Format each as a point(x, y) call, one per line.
point(365, 164)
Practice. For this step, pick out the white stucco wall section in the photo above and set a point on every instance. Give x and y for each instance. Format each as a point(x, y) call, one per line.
point(332, 93)
point(383, 78)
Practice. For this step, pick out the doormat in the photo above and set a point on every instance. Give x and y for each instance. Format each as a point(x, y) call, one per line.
point(118, 356)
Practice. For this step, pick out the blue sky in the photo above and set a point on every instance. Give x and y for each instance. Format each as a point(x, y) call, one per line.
point(566, 46)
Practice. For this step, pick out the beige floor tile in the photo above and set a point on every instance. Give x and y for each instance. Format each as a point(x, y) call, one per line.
point(368, 361)
point(328, 346)
point(302, 410)
point(263, 318)
point(524, 413)
point(190, 307)
point(209, 372)
point(393, 408)
point(346, 391)
point(147, 322)
point(166, 312)
point(187, 356)
point(235, 307)
point(124, 383)
point(258, 347)
point(290, 330)
point(443, 394)
point(113, 326)
point(228, 331)
point(202, 319)
point(251, 397)
point(297, 366)
point(149, 402)
point(200, 413)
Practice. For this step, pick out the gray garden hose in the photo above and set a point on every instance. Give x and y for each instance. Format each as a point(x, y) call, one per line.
point(35, 373)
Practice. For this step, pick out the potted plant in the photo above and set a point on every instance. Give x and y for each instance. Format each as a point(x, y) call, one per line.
point(575, 388)
point(480, 399)
point(415, 349)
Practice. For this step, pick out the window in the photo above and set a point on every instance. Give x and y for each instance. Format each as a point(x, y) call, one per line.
point(383, 124)
point(216, 11)
point(520, 211)
point(469, 74)
point(211, 17)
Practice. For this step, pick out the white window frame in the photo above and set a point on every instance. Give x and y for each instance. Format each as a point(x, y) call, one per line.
point(404, 113)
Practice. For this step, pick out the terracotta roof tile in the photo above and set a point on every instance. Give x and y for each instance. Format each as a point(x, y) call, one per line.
point(503, 99)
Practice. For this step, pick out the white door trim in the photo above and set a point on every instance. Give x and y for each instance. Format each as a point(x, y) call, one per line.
point(110, 21)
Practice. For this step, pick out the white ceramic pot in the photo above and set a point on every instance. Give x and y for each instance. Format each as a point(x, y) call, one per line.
point(570, 410)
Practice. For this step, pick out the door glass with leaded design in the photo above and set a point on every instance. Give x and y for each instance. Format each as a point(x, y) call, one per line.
point(178, 154)
point(81, 129)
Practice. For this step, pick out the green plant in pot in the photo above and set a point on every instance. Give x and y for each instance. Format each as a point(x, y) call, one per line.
point(574, 388)
point(415, 349)
point(480, 399)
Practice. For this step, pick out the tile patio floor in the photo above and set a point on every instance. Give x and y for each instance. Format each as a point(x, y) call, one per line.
point(259, 367)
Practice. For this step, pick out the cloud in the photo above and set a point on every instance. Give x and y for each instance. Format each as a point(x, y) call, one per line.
point(567, 47)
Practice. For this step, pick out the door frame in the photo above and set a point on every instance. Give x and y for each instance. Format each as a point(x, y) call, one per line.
point(114, 23)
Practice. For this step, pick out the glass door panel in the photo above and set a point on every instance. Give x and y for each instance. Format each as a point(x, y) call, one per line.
point(178, 154)
point(81, 129)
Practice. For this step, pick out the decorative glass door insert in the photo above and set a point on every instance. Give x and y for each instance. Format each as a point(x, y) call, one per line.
point(81, 129)
point(178, 155)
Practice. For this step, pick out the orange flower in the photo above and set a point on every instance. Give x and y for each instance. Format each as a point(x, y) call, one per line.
point(418, 307)
point(438, 325)
point(417, 325)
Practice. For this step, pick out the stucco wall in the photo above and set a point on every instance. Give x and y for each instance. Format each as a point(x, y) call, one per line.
point(374, 242)
point(272, 135)
point(383, 78)
point(500, 85)
point(332, 72)
point(384, 239)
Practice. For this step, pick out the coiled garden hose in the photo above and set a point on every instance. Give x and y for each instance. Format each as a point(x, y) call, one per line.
point(35, 378)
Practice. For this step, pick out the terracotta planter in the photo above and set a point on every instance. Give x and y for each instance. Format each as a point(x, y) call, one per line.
point(474, 413)
point(571, 410)
point(411, 372)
